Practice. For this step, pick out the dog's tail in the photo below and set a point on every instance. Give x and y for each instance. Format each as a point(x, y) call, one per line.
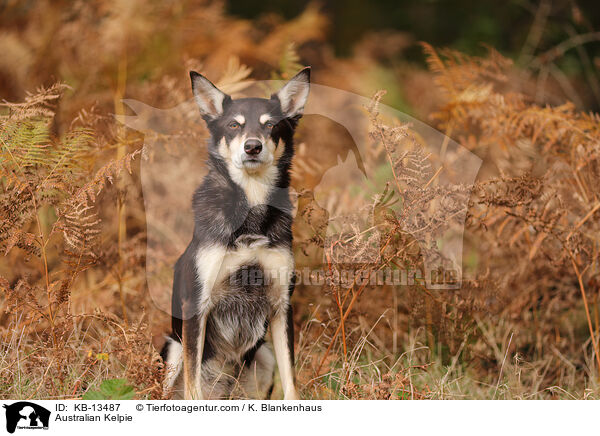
point(172, 355)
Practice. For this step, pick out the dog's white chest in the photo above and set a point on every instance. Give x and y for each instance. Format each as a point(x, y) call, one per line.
point(218, 267)
point(242, 288)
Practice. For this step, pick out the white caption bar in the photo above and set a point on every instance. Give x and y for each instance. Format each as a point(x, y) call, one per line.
point(298, 417)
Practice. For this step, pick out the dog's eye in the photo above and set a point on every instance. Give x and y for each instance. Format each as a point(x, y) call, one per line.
point(234, 125)
point(269, 125)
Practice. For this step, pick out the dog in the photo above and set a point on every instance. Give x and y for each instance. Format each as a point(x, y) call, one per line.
point(236, 277)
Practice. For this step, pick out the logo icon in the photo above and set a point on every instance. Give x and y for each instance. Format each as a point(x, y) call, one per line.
point(26, 415)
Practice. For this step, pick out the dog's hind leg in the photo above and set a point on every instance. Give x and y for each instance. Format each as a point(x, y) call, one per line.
point(256, 380)
point(172, 355)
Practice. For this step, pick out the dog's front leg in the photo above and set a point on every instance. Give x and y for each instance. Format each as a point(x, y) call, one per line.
point(281, 272)
point(280, 331)
point(209, 268)
point(194, 334)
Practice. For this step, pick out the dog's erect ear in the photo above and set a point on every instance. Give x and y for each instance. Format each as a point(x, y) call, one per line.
point(294, 94)
point(209, 98)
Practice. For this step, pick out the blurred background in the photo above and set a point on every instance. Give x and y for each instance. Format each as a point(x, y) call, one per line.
point(41, 42)
point(458, 24)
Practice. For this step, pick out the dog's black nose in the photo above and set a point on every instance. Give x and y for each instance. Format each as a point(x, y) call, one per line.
point(252, 146)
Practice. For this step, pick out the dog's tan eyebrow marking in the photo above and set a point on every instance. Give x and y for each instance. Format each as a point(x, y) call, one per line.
point(240, 119)
point(264, 118)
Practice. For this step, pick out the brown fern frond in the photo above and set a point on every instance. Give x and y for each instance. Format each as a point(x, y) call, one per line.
point(106, 174)
point(41, 103)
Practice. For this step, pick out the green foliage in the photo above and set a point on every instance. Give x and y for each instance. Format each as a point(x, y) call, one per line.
point(289, 63)
point(114, 389)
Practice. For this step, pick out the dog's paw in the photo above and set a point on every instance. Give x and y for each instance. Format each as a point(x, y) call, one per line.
point(291, 395)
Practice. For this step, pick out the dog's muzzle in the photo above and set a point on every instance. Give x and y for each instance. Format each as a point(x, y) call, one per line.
point(252, 147)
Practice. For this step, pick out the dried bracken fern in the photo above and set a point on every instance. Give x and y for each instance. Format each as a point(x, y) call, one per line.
point(48, 214)
point(539, 204)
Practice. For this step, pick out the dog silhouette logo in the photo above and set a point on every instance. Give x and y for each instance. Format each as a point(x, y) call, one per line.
point(26, 415)
point(347, 184)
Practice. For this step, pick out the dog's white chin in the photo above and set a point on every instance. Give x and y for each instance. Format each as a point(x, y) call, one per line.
point(253, 166)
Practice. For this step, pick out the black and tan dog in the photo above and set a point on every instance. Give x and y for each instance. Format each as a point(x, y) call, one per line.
point(236, 277)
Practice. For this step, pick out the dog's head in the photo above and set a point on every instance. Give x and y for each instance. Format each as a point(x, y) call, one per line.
point(248, 132)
